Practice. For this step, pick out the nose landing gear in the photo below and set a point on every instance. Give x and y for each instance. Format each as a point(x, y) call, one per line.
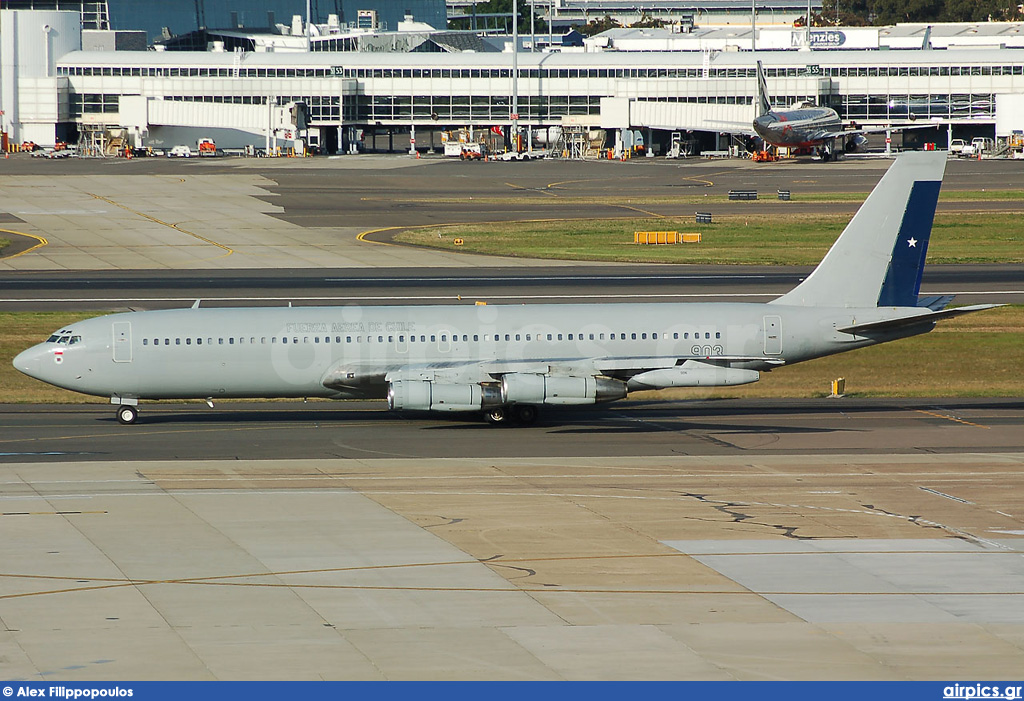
point(127, 414)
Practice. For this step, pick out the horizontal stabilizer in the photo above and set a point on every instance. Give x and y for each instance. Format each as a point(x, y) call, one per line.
point(915, 319)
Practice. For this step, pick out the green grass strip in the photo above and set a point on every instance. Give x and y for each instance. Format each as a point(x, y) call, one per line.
point(756, 239)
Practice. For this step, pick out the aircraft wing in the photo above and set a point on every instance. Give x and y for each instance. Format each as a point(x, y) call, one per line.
point(475, 371)
point(825, 134)
point(894, 129)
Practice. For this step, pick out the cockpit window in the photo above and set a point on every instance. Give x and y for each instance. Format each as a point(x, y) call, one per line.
point(53, 339)
point(64, 340)
point(75, 339)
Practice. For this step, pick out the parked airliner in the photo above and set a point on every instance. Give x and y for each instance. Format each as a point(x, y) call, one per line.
point(506, 361)
point(803, 127)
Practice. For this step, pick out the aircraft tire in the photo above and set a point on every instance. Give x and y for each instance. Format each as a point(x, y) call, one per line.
point(525, 414)
point(498, 416)
point(127, 414)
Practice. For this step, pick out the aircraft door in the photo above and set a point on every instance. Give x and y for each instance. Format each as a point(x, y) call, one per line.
point(772, 335)
point(122, 341)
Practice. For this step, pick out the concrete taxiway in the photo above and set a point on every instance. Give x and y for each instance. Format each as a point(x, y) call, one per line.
point(748, 566)
point(232, 214)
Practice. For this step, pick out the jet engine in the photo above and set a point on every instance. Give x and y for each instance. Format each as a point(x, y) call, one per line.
point(424, 395)
point(855, 142)
point(529, 388)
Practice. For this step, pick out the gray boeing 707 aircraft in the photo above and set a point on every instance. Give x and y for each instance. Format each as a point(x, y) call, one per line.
point(506, 361)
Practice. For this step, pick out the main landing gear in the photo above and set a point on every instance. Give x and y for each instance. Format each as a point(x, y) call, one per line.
point(127, 414)
point(522, 414)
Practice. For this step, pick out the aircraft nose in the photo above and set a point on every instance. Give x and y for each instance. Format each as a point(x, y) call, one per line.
point(29, 361)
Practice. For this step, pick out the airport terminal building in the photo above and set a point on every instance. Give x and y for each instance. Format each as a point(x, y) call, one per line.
point(58, 90)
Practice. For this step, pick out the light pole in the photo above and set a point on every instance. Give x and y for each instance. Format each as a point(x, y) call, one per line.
point(515, 75)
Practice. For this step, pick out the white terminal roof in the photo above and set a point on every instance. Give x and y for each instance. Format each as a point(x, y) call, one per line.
point(526, 60)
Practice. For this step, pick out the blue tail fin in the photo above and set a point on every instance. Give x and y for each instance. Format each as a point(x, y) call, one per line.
point(903, 279)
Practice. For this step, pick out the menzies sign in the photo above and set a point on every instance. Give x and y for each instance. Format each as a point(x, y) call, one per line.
point(820, 39)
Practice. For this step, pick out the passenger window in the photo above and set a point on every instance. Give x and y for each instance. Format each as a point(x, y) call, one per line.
point(188, 341)
point(676, 336)
point(718, 334)
point(316, 339)
point(231, 341)
point(252, 340)
point(295, 339)
point(145, 341)
point(348, 339)
point(199, 341)
point(570, 337)
point(591, 337)
point(305, 339)
point(433, 339)
point(549, 337)
point(284, 339)
point(634, 336)
point(686, 335)
point(528, 337)
point(401, 339)
point(177, 341)
point(465, 337)
point(707, 334)
point(380, 339)
point(167, 341)
point(654, 336)
point(476, 337)
point(209, 341)
point(263, 339)
point(643, 336)
point(517, 337)
point(601, 336)
point(559, 337)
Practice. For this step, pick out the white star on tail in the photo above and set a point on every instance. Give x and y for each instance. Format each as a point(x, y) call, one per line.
point(912, 242)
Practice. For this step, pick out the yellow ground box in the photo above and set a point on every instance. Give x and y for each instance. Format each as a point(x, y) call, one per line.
point(663, 237)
